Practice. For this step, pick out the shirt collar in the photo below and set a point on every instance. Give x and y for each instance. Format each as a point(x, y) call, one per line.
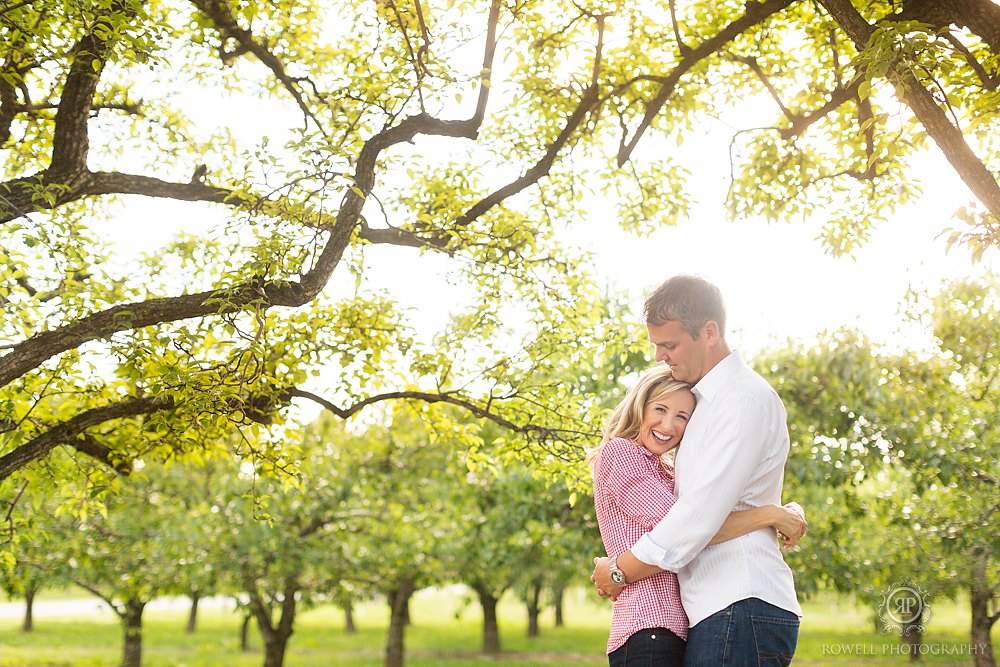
point(646, 452)
point(717, 376)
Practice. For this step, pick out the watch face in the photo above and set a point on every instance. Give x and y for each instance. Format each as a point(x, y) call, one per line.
point(618, 577)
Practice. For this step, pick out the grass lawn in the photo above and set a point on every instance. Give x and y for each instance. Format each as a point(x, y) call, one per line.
point(446, 631)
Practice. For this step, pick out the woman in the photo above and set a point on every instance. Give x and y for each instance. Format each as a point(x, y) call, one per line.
point(633, 490)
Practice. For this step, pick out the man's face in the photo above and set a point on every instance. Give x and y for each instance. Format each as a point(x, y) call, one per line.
point(686, 356)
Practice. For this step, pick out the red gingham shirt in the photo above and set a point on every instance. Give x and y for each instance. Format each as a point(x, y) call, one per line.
point(632, 492)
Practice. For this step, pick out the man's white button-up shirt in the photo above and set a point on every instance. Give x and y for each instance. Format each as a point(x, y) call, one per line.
point(732, 458)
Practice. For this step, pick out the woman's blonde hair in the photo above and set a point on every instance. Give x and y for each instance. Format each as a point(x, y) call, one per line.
point(626, 419)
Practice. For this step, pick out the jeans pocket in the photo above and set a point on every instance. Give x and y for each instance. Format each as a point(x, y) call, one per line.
point(775, 639)
point(710, 641)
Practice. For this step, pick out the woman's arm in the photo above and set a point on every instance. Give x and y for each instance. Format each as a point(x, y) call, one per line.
point(789, 520)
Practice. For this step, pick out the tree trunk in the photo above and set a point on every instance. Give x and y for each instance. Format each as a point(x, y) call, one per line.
point(245, 633)
point(29, 609)
point(980, 595)
point(275, 636)
point(132, 622)
point(274, 651)
point(912, 635)
point(557, 602)
point(192, 623)
point(349, 627)
point(534, 608)
point(491, 632)
point(399, 601)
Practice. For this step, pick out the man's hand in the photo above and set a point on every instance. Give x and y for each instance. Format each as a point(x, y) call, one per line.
point(793, 525)
point(602, 579)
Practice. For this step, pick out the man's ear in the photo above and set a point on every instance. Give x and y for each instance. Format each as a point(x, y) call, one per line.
point(711, 332)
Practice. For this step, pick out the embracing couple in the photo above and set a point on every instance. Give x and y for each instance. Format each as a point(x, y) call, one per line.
point(694, 545)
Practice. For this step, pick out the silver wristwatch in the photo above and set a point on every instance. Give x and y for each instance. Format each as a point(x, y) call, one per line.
point(617, 576)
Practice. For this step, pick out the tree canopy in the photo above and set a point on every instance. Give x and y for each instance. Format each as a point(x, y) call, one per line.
point(446, 129)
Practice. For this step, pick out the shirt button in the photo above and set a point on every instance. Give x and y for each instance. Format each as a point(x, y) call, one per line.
point(652, 636)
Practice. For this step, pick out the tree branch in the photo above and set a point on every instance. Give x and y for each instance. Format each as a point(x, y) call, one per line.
point(260, 610)
point(755, 67)
point(67, 432)
point(989, 82)
point(981, 17)
point(489, 52)
point(89, 445)
point(70, 141)
point(30, 353)
point(72, 431)
point(949, 138)
point(97, 592)
point(801, 122)
point(21, 197)
point(318, 523)
point(756, 13)
point(16, 5)
point(541, 168)
point(682, 48)
point(450, 398)
point(221, 15)
point(132, 108)
point(401, 237)
point(9, 517)
point(288, 602)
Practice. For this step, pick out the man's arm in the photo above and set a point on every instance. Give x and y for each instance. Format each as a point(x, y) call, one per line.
point(788, 519)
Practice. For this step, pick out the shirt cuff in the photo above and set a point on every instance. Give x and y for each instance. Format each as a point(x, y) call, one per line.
point(649, 552)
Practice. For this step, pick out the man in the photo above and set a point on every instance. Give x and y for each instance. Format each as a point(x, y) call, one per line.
point(739, 595)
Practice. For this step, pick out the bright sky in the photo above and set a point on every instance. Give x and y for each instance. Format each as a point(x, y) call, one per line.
point(777, 279)
point(779, 282)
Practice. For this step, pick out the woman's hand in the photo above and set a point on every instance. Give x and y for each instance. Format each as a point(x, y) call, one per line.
point(602, 579)
point(790, 521)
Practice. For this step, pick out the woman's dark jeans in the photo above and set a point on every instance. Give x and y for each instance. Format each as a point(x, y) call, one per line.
point(652, 647)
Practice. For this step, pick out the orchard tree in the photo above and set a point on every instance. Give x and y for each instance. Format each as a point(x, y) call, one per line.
point(450, 132)
point(126, 554)
point(829, 386)
point(484, 549)
point(191, 488)
point(559, 525)
point(947, 411)
point(404, 475)
point(34, 546)
point(901, 444)
point(284, 533)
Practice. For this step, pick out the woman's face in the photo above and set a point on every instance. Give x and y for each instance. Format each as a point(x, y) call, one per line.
point(664, 419)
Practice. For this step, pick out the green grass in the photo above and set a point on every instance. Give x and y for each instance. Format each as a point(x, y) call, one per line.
point(446, 631)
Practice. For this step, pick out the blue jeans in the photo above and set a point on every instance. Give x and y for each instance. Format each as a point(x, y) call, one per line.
point(652, 647)
point(748, 633)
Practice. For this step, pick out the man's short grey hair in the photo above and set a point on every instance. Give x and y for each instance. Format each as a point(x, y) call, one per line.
point(690, 300)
